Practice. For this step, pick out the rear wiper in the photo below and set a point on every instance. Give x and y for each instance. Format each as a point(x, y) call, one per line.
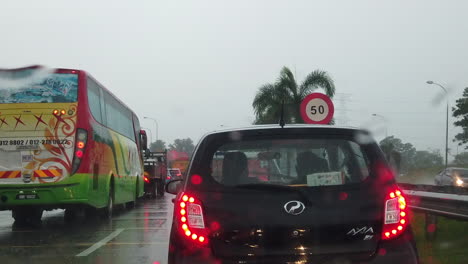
point(261, 186)
point(266, 186)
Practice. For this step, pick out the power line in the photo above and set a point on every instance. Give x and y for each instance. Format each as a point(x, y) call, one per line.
point(390, 112)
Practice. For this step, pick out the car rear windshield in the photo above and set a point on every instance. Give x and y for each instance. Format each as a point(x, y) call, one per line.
point(296, 161)
point(38, 86)
point(174, 172)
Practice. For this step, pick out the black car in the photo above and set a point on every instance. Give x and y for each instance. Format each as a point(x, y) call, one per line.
point(298, 194)
point(452, 177)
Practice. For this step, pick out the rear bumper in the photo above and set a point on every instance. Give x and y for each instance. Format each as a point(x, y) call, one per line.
point(399, 251)
point(71, 191)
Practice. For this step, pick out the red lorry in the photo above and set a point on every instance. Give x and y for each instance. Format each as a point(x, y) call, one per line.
point(155, 165)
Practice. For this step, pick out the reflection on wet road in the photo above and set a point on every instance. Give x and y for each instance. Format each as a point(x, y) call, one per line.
point(139, 235)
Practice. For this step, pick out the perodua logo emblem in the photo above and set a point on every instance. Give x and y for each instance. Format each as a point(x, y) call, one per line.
point(294, 207)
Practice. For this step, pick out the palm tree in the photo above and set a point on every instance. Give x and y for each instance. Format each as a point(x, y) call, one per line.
point(267, 103)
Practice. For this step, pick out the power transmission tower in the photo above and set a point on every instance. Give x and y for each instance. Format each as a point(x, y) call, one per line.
point(341, 113)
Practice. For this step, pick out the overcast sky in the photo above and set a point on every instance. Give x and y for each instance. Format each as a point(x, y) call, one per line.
point(196, 65)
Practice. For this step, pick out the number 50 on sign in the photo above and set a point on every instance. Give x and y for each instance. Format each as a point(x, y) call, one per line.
point(317, 108)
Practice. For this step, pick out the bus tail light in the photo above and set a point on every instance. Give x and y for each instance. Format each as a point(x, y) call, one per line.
point(57, 112)
point(80, 146)
point(191, 220)
point(396, 215)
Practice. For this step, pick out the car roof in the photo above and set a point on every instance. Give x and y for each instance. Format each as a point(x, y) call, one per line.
point(287, 127)
point(278, 127)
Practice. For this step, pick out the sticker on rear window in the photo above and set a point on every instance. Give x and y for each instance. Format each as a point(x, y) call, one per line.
point(325, 178)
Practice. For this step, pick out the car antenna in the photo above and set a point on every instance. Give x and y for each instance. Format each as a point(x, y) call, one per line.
point(281, 121)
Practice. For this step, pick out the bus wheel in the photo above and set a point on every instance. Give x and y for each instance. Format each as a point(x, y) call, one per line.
point(108, 210)
point(27, 216)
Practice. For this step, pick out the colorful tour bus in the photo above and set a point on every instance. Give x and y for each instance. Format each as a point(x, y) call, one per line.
point(65, 142)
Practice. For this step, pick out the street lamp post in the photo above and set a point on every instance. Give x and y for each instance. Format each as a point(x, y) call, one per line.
point(155, 125)
point(446, 120)
point(385, 121)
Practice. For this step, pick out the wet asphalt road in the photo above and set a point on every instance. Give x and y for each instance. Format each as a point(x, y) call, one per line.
point(138, 235)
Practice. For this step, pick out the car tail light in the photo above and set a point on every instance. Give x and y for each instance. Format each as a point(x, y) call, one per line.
point(146, 179)
point(80, 145)
point(191, 220)
point(396, 215)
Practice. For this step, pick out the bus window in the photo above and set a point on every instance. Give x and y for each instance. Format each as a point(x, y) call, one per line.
point(94, 100)
point(118, 117)
point(38, 87)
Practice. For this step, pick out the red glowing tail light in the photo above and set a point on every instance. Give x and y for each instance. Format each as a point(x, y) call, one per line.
point(396, 215)
point(191, 220)
point(81, 139)
point(79, 154)
point(146, 179)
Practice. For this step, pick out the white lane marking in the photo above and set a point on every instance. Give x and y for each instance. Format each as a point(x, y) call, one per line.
point(101, 243)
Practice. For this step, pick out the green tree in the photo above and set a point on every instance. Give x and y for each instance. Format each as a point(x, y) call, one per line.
point(427, 159)
point(461, 159)
point(270, 97)
point(159, 145)
point(407, 151)
point(460, 111)
point(183, 145)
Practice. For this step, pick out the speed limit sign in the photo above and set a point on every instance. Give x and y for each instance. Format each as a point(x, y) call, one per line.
point(317, 108)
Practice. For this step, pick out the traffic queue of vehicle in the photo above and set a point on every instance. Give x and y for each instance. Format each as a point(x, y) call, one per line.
point(281, 193)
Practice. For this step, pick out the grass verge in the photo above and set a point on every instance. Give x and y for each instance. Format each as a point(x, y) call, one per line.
point(449, 245)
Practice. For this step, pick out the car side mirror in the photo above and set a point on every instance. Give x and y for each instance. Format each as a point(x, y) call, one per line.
point(173, 187)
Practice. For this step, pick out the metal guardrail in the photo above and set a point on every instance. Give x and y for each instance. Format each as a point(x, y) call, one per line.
point(449, 201)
